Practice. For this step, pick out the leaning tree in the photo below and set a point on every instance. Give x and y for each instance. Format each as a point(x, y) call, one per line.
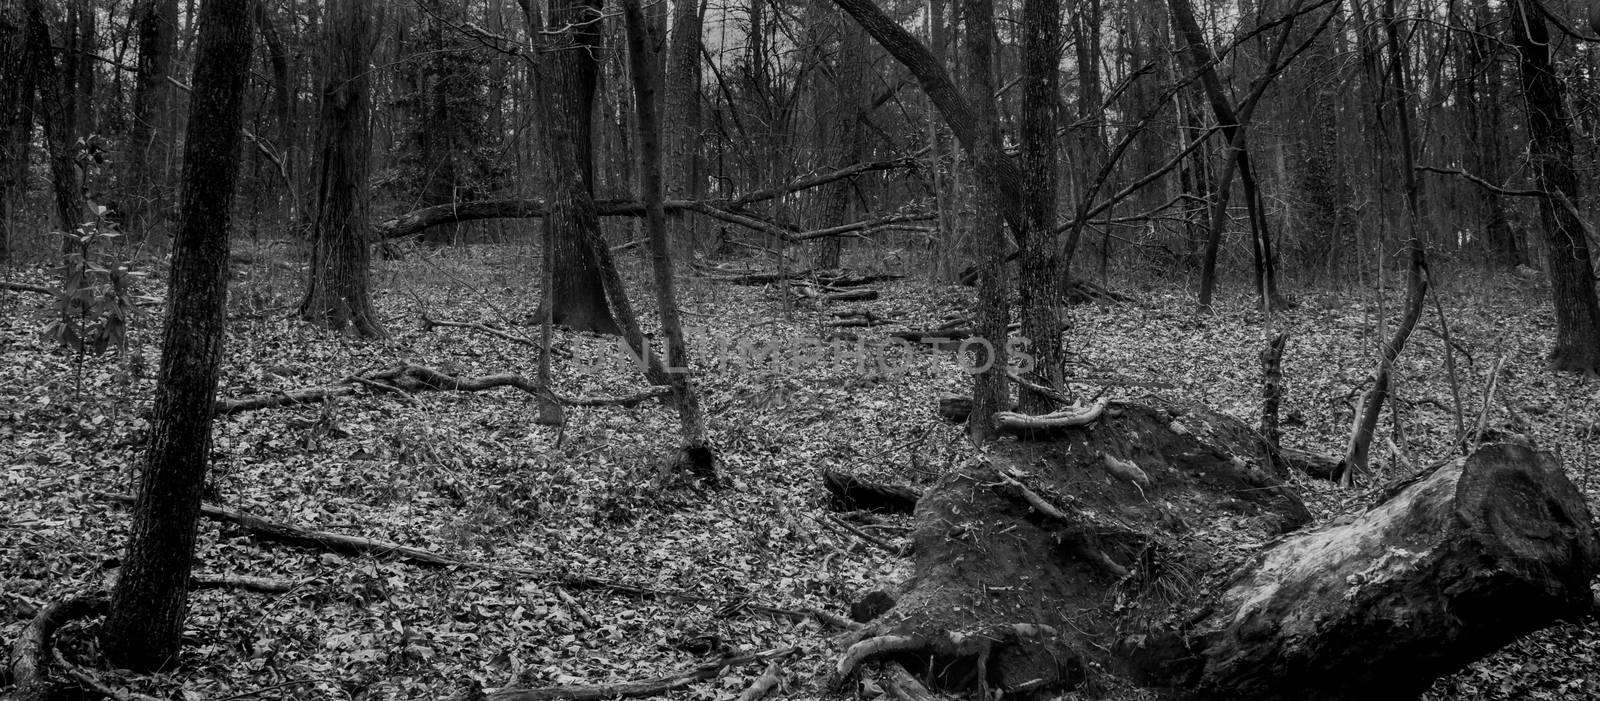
point(144, 626)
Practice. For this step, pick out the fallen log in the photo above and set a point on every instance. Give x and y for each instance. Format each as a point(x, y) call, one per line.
point(1190, 576)
point(415, 378)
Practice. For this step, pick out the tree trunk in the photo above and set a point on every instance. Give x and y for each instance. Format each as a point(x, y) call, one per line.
point(1202, 59)
point(146, 160)
point(1041, 286)
point(681, 125)
point(567, 76)
point(847, 139)
point(987, 358)
point(338, 295)
point(1133, 546)
point(1577, 343)
point(54, 110)
point(16, 116)
point(143, 628)
point(1480, 96)
point(695, 455)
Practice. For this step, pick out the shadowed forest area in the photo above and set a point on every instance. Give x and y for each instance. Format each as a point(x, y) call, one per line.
point(811, 349)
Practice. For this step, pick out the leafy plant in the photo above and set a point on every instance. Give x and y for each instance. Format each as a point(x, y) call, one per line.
point(98, 298)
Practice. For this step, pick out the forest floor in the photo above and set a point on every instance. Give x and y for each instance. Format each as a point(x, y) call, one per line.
point(470, 475)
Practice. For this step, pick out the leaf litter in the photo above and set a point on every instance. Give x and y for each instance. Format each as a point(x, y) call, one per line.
point(473, 476)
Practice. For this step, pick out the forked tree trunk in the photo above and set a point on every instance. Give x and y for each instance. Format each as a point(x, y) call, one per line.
point(696, 455)
point(142, 631)
point(338, 294)
point(1577, 343)
point(1135, 546)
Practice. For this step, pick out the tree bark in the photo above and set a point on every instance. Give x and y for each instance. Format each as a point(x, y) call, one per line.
point(681, 124)
point(54, 110)
point(150, 140)
point(16, 115)
point(1127, 547)
point(1040, 291)
point(695, 450)
point(567, 73)
point(988, 359)
point(143, 628)
point(1577, 342)
point(338, 295)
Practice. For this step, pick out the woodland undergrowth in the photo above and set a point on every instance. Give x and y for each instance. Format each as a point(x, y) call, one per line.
point(473, 476)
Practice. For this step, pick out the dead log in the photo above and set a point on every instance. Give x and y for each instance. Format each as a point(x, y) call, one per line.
point(1044, 563)
point(852, 493)
point(1013, 423)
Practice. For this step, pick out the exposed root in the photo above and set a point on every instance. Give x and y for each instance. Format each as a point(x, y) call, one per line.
point(1077, 415)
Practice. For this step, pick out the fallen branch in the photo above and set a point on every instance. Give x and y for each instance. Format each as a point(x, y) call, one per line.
point(638, 689)
point(770, 678)
point(428, 323)
point(264, 585)
point(360, 546)
point(415, 378)
point(25, 287)
point(28, 655)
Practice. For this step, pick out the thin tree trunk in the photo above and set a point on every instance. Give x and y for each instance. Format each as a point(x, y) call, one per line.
point(151, 138)
point(696, 455)
point(1366, 421)
point(1040, 267)
point(682, 118)
point(990, 390)
point(143, 629)
point(16, 115)
point(338, 295)
point(54, 110)
point(1577, 342)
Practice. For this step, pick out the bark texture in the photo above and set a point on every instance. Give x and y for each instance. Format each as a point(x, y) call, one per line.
point(1157, 545)
point(568, 74)
point(150, 138)
point(148, 605)
point(696, 455)
point(338, 294)
point(1577, 343)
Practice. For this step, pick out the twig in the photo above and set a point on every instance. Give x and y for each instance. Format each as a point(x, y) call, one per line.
point(869, 538)
point(1488, 397)
point(1450, 370)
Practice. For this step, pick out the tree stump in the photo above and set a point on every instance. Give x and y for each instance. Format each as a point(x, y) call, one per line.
point(1157, 545)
